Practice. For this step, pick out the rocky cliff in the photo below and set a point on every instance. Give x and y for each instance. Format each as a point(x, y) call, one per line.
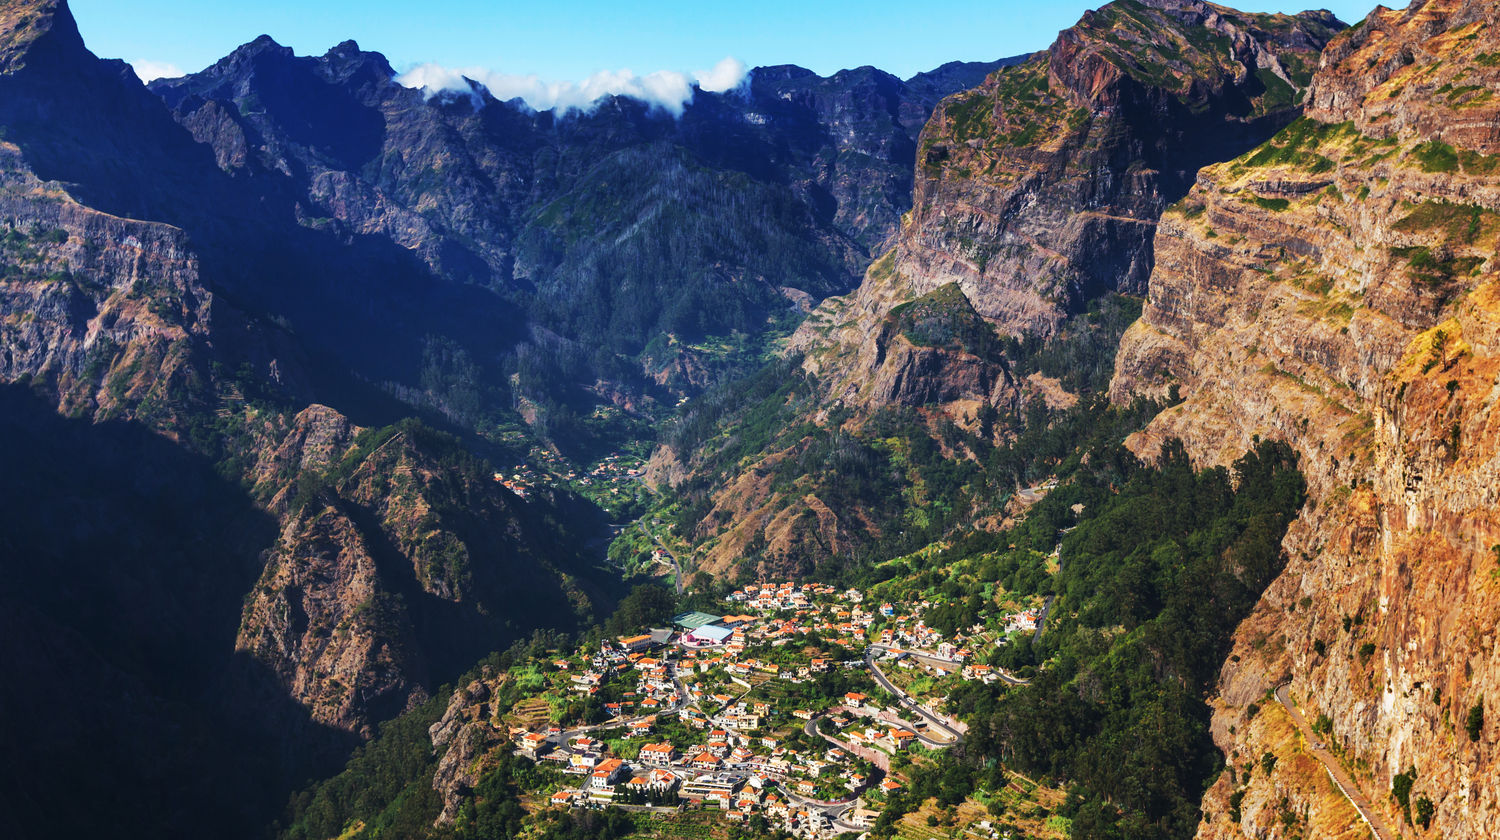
point(1335, 289)
point(235, 581)
point(1036, 196)
point(744, 210)
point(1039, 190)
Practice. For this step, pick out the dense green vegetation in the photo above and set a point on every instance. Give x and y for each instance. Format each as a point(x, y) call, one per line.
point(915, 476)
point(945, 318)
point(1160, 568)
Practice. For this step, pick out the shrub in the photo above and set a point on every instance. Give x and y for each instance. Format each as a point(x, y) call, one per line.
point(1401, 790)
point(1425, 811)
point(1474, 722)
point(1435, 156)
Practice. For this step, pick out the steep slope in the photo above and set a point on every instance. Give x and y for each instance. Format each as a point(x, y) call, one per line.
point(1037, 194)
point(1039, 190)
point(1336, 289)
point(613, 243)
point(163, 452)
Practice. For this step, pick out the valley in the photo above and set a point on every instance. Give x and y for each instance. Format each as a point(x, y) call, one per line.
point(1096, 443)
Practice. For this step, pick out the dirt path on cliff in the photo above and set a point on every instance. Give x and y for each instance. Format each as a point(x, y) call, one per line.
point(1341, 779)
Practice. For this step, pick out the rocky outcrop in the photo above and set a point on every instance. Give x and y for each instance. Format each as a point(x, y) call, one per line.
point(1040, 189)
point(257, 579)
point(1336, 289)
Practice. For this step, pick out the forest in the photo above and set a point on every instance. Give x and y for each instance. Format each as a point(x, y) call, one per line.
point(1156, 572)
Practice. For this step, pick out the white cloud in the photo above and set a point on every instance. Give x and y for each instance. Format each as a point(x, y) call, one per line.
point(725, 76)
point(148, 70)
point(671, 91)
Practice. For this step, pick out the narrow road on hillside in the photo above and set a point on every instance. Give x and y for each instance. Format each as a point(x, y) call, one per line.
point(1341, 779)
point(676, 566)
point(904, 699)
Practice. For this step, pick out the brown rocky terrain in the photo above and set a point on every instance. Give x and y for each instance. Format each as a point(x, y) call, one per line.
point(1037, 194)
point(1336, 289)
point(349, 571)
point(1039, 190)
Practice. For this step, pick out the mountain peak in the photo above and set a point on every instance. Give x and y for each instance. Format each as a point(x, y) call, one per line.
point(32, 27)
point(262, 45)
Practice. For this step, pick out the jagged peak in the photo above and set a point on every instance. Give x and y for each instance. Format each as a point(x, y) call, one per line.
point(780, 73)
point(262, 45)
point(27, 26)
point(347, 57)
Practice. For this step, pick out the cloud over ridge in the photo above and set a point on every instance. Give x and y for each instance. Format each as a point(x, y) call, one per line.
point(147, 70)
point(669, 90)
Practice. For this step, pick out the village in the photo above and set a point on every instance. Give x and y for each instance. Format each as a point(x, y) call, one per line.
point(801, 710)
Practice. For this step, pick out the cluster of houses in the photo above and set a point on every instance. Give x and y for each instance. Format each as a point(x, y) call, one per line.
point(736, 756)
point(615, 473)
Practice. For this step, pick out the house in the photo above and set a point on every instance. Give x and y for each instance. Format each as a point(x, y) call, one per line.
point(901, 739)
point(891, 786)
point(658, 755)
point(705, 761)
point(855, 700)
point(711, 787)
point(586, 744)
point(565, 798)
point(535, 744)
point(635, 644)
point(642, 727)
point(662, 781)
point(606, 775)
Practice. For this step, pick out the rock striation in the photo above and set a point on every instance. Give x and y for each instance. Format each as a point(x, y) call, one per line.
point(1037, 193)
point(1336, 289)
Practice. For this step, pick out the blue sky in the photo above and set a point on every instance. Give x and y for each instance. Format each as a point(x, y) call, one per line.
point(572, 39)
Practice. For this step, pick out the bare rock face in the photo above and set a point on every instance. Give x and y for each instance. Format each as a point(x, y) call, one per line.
point(398, 560)
point(1336, 289)
point(394, 560)
point(1040, 189)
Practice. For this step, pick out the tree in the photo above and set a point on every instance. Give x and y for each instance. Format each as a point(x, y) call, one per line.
point(1474, 723)
point(1425, 811)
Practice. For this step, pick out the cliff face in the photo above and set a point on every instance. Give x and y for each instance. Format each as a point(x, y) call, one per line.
point(1036, 195)
point(1039, 190)
point(230, 578)
point(1336, 289)
point(401, 566)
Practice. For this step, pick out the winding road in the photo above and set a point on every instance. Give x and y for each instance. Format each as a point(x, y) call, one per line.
point(904, 699)
point(1341, 779)
point(676, 566)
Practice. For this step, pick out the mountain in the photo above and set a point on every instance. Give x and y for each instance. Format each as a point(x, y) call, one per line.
point(618, 251)
point(1335, 289)
point(1036, 198)
point(214, 585)
point(222, 303)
